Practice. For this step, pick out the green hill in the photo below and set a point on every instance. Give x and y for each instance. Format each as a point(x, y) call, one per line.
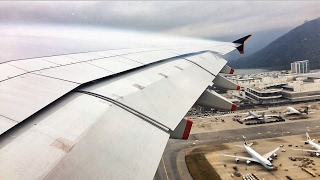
point(301, 43)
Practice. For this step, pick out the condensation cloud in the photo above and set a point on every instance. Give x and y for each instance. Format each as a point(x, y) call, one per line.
point(221, 20)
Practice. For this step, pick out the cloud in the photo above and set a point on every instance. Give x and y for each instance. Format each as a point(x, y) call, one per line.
point(205, 19)
point(222, 20)
point(250, 17)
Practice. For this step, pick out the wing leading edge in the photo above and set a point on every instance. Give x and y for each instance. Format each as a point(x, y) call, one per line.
point(81, 115)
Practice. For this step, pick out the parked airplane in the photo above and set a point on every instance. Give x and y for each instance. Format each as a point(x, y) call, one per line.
point(293, 111)
point(253, 115)
point(264, 160)
point(315, 146)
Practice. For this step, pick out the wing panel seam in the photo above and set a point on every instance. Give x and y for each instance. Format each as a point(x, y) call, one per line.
point(184, 57)
point(130, 110)
point(10, 119)
point(199, 66)
point(55, 78)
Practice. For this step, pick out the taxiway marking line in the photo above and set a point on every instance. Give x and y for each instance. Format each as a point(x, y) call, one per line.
point(214, 160)
point(165, 169)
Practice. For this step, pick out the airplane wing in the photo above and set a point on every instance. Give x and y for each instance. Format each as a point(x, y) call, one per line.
point(242, 157)
point(270, 153)
point(307, 150)
point(272, 116)
point(248, 118)
point(101, 114)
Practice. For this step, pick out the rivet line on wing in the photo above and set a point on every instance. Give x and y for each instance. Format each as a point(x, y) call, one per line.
point(184, 56)
point(200, 66)
point(10, 119)
point(130, 110)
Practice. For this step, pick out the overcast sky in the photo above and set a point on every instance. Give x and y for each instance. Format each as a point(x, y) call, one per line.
point(266, 20)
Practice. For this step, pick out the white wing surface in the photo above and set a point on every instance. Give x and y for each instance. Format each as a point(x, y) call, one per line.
point(243, 157)
point(267, 155)
point(99, 115)
point(307, 150)
point(248, 118)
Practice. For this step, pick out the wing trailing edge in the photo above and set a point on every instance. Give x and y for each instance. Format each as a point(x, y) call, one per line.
point(242, 42)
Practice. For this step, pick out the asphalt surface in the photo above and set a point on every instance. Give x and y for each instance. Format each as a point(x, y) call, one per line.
point(172, 165)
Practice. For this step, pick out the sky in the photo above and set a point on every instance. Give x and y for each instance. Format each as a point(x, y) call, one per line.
point(219, 20)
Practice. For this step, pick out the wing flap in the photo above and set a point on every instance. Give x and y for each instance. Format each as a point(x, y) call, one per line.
point(117, 138)
point(151, 91)
point(77, 142)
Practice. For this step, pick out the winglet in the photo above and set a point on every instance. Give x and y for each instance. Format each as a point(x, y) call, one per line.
point(242, 41)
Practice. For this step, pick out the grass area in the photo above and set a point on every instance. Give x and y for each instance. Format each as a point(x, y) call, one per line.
point(200, 168)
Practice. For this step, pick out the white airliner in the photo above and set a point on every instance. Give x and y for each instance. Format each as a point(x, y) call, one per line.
point(253, 115)
point(315, 146)
point(293, 111)
point(102, 112)
point(256, 157)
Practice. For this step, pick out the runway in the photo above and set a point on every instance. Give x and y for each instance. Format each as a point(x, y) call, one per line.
point(172, 165)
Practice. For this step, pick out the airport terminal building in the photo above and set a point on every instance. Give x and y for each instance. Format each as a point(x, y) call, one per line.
point(284, 88)
point(263, 96)
point(305, 88)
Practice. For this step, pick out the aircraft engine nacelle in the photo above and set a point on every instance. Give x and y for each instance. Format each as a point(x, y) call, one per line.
point(317, 154)
point(237, 160)
point(270, 159)
point(248, 162)
point(275, 155)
